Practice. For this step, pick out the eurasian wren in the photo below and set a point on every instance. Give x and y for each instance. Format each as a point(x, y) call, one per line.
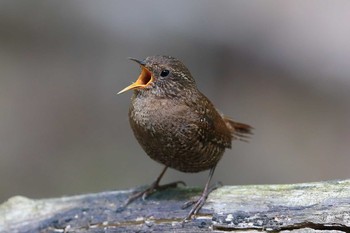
point(176, 124)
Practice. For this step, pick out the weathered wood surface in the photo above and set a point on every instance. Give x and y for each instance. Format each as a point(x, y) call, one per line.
point(312, 207)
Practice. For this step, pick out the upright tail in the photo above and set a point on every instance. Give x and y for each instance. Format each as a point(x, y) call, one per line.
point(239, 131)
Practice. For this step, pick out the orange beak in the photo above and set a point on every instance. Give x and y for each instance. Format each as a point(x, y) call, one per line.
point(144, 80)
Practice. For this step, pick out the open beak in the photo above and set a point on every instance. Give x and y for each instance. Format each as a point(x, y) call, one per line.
point(144, 79)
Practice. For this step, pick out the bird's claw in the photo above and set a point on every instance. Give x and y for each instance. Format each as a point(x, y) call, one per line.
point(188, 204)
point(150, 190)
point(199, 203)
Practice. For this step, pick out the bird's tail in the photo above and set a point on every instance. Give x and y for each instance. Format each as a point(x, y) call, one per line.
point(238, 130)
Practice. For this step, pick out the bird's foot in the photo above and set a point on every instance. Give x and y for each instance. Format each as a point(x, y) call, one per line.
point(197, 204)
point(156, 187)
point(151, 189)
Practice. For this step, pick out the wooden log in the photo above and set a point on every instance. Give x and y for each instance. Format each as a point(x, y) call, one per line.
point(309, 207)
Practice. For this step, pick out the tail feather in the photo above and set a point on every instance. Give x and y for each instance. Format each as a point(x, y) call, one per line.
point(239, 131)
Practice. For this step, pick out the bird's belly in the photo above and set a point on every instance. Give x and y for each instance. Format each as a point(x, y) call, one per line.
point(174, 142)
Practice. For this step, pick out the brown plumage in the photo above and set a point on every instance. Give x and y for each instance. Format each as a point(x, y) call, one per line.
point(176, 124)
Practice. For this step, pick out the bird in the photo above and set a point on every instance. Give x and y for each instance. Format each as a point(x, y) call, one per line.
point(177, 125)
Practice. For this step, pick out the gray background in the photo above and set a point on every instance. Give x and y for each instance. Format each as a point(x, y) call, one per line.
point(281, 66)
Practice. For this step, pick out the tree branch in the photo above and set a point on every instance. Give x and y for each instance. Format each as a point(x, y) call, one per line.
point(311, 207)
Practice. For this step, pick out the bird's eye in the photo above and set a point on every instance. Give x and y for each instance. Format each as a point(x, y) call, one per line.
point(164, 73)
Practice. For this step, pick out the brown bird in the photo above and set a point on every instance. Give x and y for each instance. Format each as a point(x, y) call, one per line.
point(176, 124)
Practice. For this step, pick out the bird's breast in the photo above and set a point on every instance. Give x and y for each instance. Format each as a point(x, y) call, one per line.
point(168, 133)
point(154, 115)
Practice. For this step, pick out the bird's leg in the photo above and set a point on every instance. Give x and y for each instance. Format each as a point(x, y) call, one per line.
point(152, 188)
point(200, 202)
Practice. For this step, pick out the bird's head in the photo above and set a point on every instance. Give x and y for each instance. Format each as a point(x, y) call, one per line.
point(162, 75)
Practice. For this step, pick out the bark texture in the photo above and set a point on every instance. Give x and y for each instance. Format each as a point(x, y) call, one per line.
point(309, 207)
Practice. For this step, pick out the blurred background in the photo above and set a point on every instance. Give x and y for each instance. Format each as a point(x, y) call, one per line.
point(283, 67)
